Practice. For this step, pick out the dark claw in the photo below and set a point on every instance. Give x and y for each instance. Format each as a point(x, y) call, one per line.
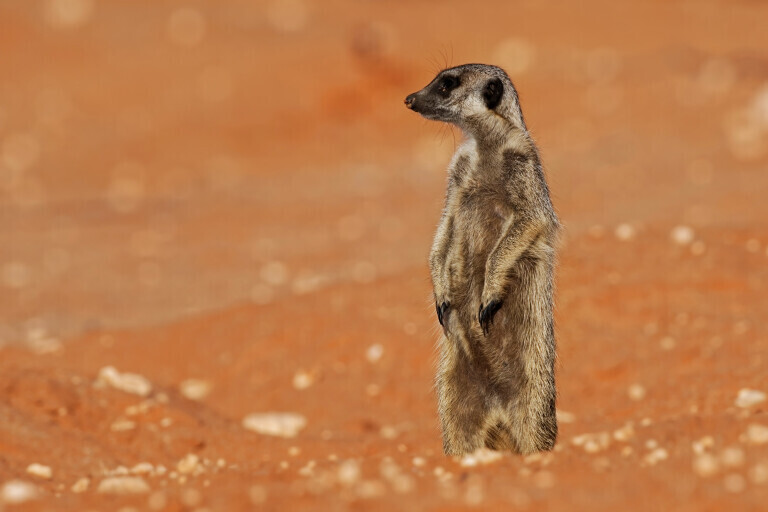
point(441, 309)
point(485, 315)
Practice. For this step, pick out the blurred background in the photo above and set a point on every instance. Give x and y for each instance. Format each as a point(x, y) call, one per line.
point(234, 191)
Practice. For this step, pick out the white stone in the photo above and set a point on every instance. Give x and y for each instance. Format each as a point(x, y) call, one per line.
point(127, 382)
point(122, 424)
point(732, 457)
point(280, 424)
point(195, 389)
point(302, 380)
point(706, 465)
point(481, 456)
point(756, 434)
point(142, 468)
point(749, 397)
point(123, 485)
point(349, 472)
point(682, 235)
point(656, 455)
point(40, 471)
point(15, 492)
point(374, 353)
point(625, 231)
point(81, 485)
point(624, 433)
point(188, 464)
point(592, 443)
point(700, 446)
point(565, 417)
point(636, 392)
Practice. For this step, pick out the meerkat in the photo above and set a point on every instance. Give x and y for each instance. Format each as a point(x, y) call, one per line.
point(492, 266)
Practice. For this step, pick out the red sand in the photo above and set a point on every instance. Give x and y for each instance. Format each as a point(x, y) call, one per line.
point(236, 194)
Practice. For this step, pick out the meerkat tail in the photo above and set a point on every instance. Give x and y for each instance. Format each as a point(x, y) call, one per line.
point(459, 401)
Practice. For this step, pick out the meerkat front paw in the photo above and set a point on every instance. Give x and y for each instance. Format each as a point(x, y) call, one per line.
point(488, 309)
point(442, 311)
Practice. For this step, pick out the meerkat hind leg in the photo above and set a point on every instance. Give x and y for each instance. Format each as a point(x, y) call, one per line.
point(461, 405)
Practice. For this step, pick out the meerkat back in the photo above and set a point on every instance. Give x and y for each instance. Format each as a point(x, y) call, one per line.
point(492, 265)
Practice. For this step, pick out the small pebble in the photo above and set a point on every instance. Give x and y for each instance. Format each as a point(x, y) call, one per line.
point(195, 389)
point(756, 434)
point(142, 468)
point(388, 432)
point(706, 465)
point(636, 392)
point(302, 380)
point(682, 235)
point(592, 443)
point(700, 446)
point(481, 456)
point(624, 433)
point(308, 468)
point(285, 424)
point(349, 472)
point(40, 471)
point(122, 424)
point(127, 382)
point(188, 464)
point(732, 457)
point(656, 455)
point(15, 492)
point(374, 353)
point(759, 473)
point(123, 485)
point(749, 397)
point(81, 485)
point(625, 232)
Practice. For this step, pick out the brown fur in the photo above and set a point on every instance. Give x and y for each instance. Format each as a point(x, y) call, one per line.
point(495, 244)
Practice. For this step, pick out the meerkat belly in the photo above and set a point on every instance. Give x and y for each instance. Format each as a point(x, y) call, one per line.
point(478, 226)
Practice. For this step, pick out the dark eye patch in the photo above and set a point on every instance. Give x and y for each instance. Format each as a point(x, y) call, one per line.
point(447, 84)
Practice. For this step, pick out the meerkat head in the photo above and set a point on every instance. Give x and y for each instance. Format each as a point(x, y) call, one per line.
point(477, 98)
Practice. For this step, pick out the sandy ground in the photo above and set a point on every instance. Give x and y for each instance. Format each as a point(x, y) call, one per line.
point(230, 201)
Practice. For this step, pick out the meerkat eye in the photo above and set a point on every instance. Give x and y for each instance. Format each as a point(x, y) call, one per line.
point(447, 84)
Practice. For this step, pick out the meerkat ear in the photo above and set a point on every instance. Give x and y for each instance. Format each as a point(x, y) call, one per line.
point(492, 93)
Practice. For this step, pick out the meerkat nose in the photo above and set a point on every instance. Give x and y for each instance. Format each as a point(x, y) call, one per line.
point(409, 100)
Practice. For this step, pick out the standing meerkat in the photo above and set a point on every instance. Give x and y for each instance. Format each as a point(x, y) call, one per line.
point(492, 264)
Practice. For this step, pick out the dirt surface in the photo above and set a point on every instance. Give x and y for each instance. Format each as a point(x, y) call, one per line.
point(230, 201)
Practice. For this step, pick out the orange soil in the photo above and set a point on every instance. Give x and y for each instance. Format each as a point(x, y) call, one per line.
point(210, 194)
